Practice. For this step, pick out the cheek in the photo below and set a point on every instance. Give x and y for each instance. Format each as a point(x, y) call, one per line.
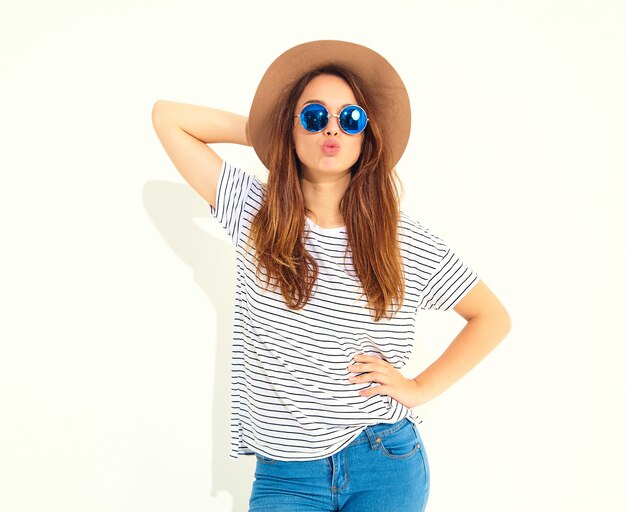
point(301, 150)
point(299, 140)
point(357, 147)
point(303, 144)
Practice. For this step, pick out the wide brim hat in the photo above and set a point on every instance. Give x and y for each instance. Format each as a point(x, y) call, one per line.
point(383, 87)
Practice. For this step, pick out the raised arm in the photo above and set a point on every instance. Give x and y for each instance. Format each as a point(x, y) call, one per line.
point(185, 130)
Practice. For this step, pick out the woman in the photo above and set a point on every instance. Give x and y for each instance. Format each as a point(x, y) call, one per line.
point(330, 276)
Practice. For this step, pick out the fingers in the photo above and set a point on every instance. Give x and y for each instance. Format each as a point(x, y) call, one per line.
point(366, 362)
point(368, 377)
point(363, 368)
point(366, 358)
point(375, 390)
point(371, 368)
point(358, 367)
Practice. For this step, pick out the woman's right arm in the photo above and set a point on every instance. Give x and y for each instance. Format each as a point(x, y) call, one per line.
point(185, 130)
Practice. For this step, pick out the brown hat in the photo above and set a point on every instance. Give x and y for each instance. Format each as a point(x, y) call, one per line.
point(383, 87)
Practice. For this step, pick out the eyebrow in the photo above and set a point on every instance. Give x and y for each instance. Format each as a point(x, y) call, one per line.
point(320, 101)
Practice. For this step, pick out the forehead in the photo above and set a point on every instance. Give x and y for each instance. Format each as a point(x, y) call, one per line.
point(330, 90)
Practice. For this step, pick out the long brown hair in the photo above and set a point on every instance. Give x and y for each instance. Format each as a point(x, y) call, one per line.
point(369, 207)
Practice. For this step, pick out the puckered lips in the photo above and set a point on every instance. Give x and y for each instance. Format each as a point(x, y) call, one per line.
point(330, 147)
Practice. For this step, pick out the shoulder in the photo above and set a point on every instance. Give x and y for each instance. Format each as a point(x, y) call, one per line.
point(415, 234)
point(237, 178)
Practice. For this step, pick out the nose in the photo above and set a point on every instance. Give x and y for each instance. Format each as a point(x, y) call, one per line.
point(332, 129)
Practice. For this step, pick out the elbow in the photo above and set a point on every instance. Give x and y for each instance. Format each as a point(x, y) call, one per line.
point(504, 322)
point(508, 323)
point(156, 109)
point(161, 112)
point(498, 319)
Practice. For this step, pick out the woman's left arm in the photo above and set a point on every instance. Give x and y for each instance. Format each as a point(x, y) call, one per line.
point(488, 323)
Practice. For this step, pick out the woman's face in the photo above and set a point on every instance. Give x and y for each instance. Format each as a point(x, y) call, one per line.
point(334, 93)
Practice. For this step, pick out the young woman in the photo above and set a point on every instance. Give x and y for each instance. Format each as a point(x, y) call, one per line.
point(330, 277)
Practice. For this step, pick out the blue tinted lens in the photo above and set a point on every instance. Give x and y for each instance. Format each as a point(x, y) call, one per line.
point(353, 119)
point(314, 117)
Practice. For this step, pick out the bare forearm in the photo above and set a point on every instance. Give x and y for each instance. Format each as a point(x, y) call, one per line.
point(479, 337)
point(207, 124)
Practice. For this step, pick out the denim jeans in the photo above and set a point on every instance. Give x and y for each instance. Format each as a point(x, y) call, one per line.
point(384, 469)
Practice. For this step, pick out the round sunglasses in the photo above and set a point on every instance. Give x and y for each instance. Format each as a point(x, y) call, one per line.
point(352, 118)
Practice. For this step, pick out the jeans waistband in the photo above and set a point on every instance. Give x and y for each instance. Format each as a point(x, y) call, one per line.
point(373, 432)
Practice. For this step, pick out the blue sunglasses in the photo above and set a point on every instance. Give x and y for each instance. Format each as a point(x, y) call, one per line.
point(352, 118)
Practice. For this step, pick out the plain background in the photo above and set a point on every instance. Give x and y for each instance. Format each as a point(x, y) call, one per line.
point(117, 285)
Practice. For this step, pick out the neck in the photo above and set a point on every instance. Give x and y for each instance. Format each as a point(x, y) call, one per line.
point(322, 197)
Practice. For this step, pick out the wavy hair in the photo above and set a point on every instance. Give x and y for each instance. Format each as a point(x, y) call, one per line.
point(369, 207)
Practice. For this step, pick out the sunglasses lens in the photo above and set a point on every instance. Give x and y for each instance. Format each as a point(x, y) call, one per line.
point(353, 119)
point(314, 117)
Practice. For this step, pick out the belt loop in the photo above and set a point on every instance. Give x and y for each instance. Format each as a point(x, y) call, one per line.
point(373, 438)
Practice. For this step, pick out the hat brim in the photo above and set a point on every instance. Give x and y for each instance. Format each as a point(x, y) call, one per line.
point(383, 87)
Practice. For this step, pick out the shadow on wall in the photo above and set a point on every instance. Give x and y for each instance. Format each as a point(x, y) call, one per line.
point(172, 207)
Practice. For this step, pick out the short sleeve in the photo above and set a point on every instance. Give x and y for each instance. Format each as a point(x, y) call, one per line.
point(447, 277)
point(233, 187)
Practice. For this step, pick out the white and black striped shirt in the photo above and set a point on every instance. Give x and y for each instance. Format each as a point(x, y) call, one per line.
point(291, 398)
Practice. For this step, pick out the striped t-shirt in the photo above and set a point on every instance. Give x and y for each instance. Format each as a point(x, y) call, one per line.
point(291, 398)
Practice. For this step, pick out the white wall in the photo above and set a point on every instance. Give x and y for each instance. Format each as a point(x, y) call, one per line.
point(117, 286)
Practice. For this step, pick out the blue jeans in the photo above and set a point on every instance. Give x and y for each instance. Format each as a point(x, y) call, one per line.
point(384, 469)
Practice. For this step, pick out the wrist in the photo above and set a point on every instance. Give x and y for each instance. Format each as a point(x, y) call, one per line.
point(421, 393)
